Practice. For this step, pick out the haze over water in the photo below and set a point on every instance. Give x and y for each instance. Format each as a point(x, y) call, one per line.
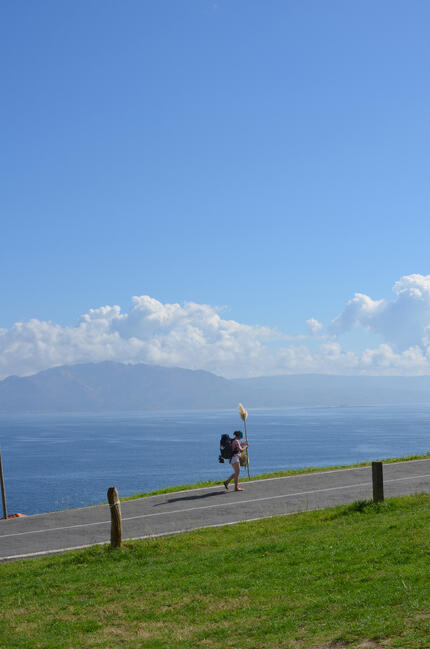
point(54, 462)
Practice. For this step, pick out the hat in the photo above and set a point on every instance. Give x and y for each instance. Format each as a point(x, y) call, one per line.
point(238, 433)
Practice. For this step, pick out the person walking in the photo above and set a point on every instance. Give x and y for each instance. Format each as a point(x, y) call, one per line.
point(237, 448)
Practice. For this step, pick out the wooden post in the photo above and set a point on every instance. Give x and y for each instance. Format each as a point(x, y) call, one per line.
point(378, 482)
point(115, 515)
point(3, 491)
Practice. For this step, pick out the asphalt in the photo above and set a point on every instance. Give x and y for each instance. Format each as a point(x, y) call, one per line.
point(182, 511)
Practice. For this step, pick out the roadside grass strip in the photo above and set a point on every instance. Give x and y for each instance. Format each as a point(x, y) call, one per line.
point(351, 576)
point(275, 474)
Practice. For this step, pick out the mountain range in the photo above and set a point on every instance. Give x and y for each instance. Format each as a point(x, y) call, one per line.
point(109, 386)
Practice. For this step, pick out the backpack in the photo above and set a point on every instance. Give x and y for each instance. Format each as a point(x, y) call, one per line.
point(225, 448)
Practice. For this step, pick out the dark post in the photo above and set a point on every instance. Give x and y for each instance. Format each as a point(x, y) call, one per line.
point(115, 515)
point(3, 491)
point(378, 482)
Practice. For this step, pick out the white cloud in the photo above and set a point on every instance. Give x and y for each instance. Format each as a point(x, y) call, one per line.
point(403, 322)
point(314, 327)
point(192, 335)
point(361, 310)
point(195, 336)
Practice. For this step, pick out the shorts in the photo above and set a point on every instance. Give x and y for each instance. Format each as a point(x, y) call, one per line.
point(234, 459)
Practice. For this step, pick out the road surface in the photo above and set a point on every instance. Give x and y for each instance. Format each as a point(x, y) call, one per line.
point(178, 512)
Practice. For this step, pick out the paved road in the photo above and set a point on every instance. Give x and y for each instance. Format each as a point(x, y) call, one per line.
point(182, 511)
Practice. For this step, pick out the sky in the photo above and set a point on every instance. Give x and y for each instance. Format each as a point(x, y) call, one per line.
point(237, 186)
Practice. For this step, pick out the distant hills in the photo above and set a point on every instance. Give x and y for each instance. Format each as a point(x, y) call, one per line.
point(113, 386)
point(108, 386)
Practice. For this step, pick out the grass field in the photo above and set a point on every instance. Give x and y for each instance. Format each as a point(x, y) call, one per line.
point(350, 576)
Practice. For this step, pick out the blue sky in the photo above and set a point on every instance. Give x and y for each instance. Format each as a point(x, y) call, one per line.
point(268, 157)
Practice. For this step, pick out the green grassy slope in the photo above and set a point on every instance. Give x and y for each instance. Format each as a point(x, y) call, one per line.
point(351, 576)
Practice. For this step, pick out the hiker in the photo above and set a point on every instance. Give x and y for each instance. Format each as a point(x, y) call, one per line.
point(237, 448)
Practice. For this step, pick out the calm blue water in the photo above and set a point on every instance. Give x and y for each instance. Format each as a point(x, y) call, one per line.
point(59, 461)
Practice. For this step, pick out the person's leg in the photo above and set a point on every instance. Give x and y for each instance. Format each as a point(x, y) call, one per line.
point(236, 467)
point(227, 482)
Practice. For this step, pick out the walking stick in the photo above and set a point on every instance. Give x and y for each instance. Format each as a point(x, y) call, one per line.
point(3, 491)
point(243, 416)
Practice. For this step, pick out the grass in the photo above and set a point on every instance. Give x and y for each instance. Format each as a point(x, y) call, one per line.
point(277, 474)
point(350, 576)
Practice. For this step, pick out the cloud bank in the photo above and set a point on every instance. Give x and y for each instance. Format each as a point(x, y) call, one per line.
point(195, 336)
point(404, 322)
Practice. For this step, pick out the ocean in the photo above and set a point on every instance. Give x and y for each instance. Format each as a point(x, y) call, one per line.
point(59, 461)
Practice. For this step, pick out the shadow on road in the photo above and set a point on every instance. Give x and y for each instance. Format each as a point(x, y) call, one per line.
point(175, 500)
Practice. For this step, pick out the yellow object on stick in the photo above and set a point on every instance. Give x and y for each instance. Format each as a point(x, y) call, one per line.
point(243, 415)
